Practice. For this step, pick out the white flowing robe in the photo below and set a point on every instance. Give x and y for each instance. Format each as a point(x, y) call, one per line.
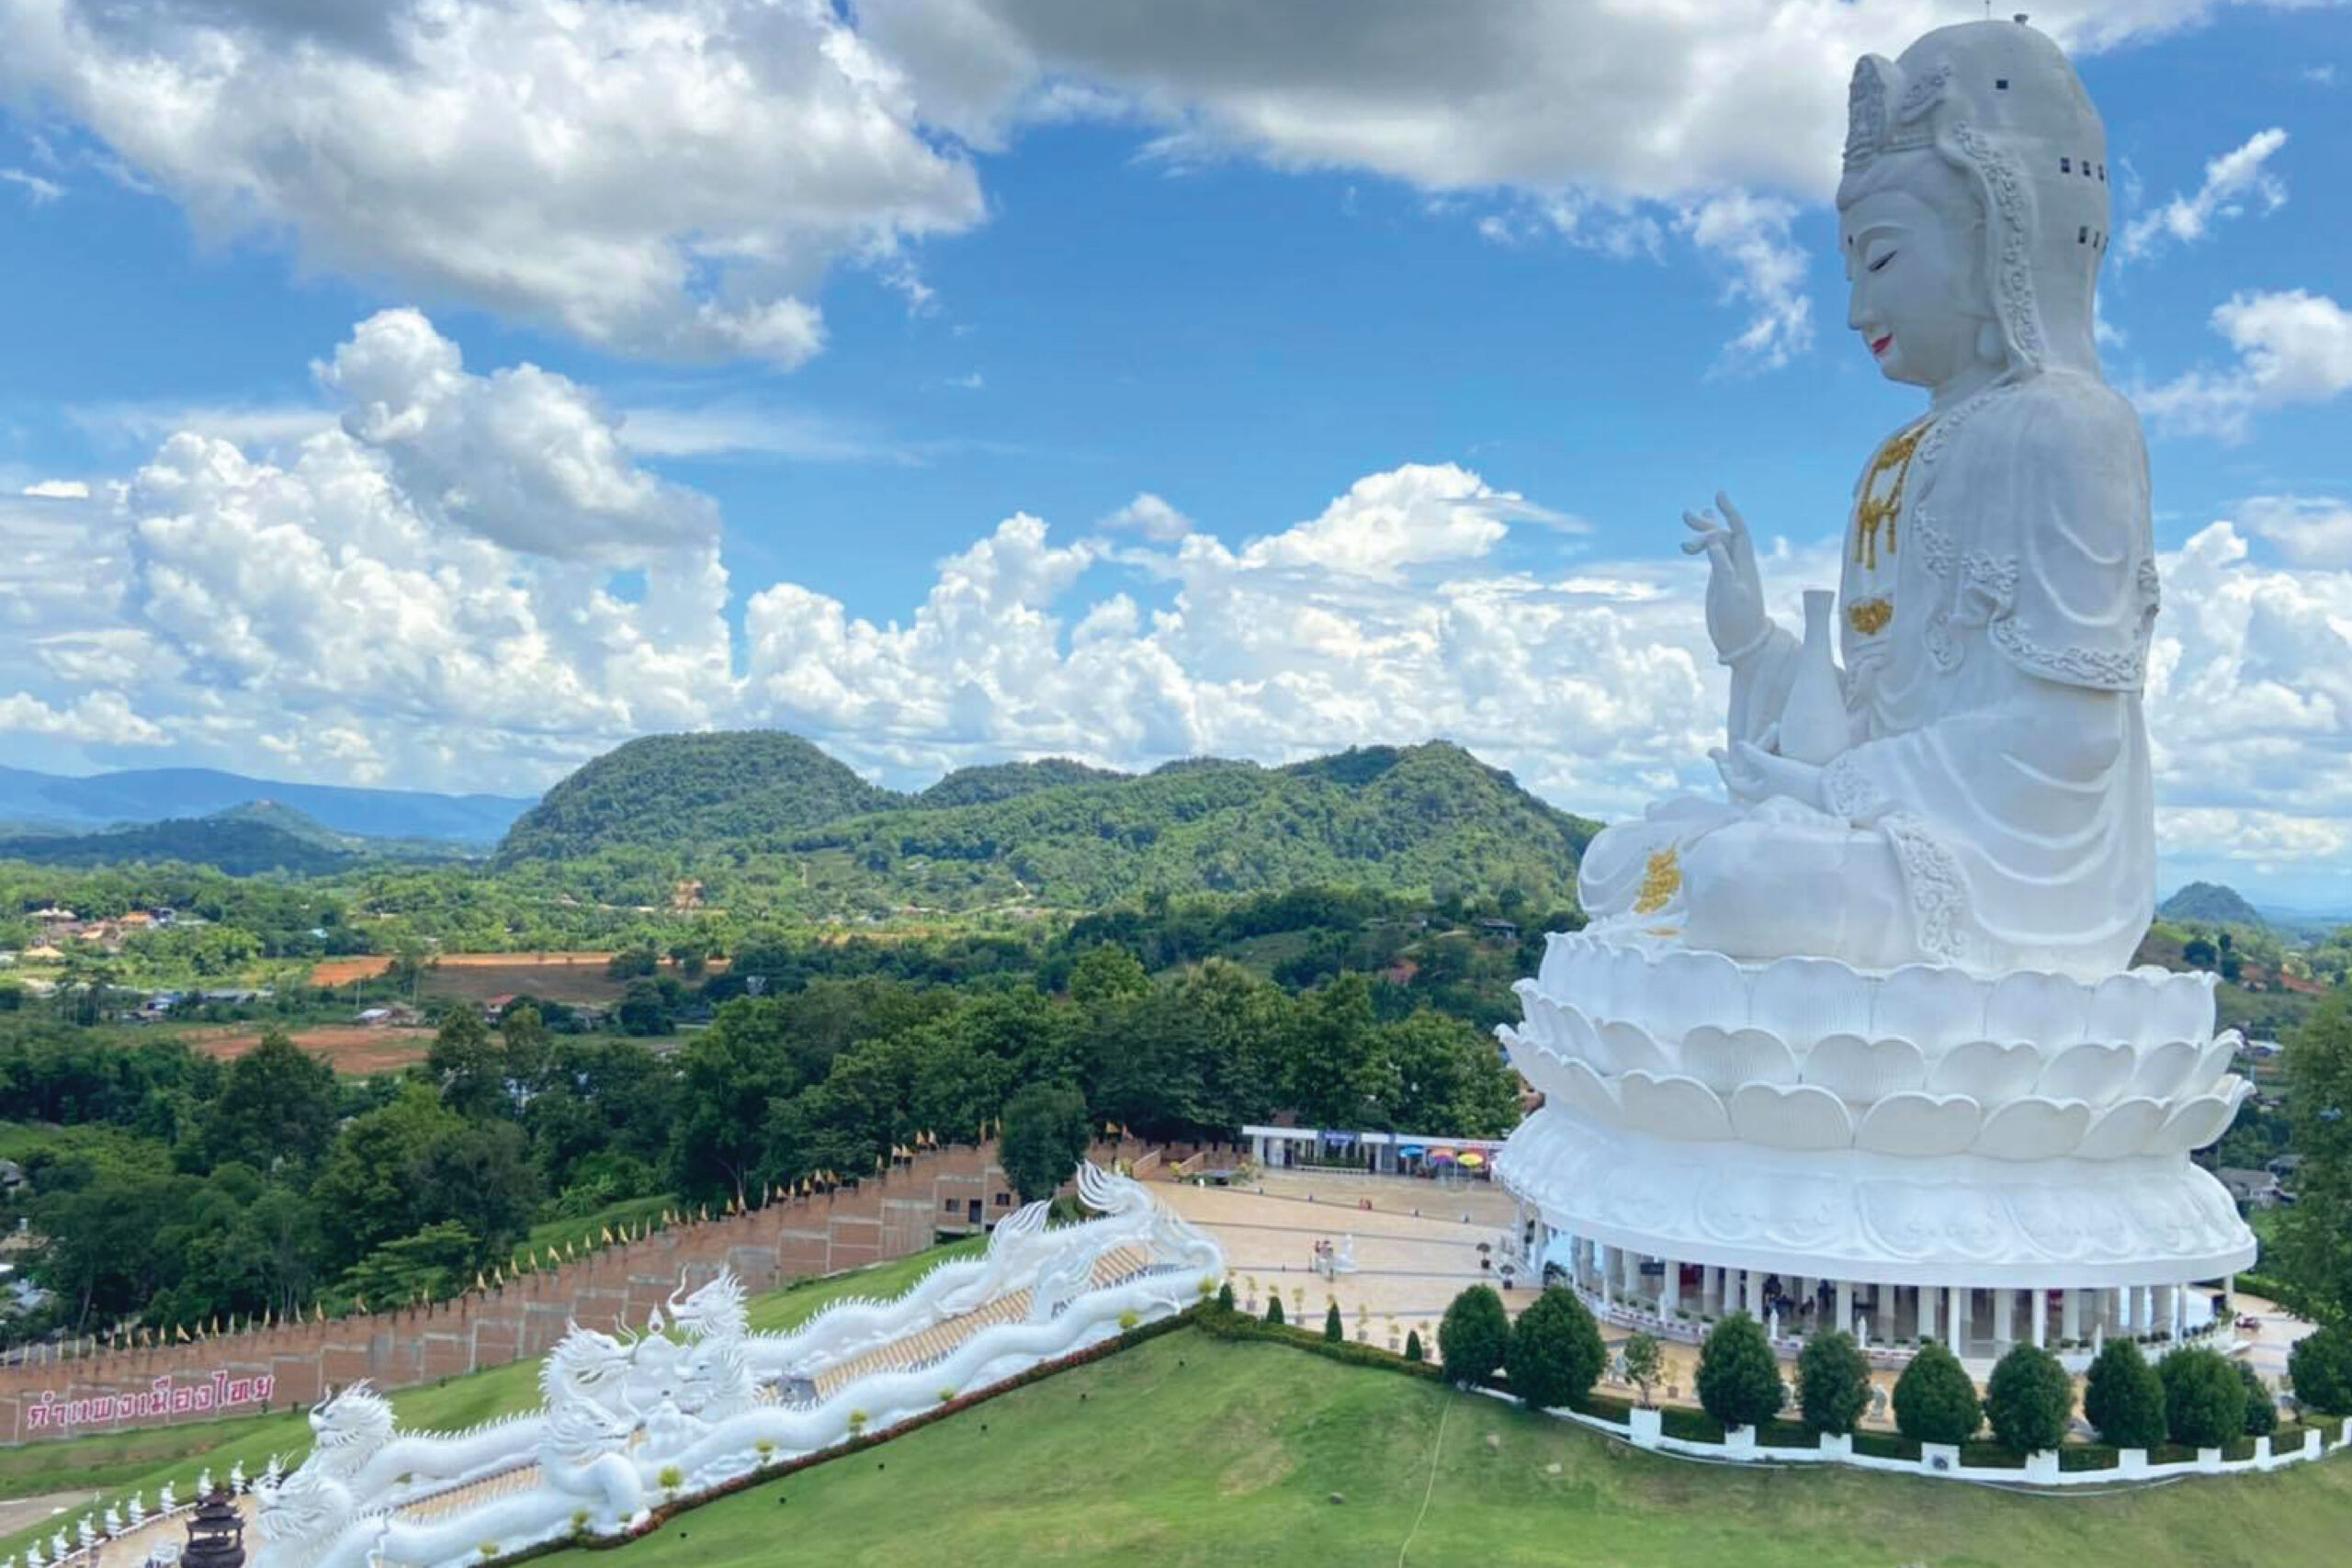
point(1995, 811)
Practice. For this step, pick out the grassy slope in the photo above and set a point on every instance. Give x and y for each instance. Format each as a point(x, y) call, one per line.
point(120, 1462)
point(1194, 1451)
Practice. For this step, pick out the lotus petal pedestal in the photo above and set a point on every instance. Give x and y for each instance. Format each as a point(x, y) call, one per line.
point(1915, 1153)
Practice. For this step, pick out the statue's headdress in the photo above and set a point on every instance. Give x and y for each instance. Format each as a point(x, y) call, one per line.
point(1998, 101)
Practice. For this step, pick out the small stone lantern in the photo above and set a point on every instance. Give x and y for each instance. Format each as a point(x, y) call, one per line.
point(215, 1534)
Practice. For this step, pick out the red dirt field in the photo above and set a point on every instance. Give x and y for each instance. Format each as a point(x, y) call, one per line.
point(349, 1047)
point(574, 977)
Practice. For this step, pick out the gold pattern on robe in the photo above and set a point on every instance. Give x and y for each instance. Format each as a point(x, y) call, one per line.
point(1661, 880)
point(1882, 503)
point(1871, 616)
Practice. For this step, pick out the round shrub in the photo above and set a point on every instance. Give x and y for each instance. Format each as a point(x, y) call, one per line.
point(2123, 1398)
point(1473, 1336)
point(1739, 1381)
point(1934, 1400)
point(2028, 1399)
point(1556, 1353)
point(2261, 1404)
point(1833, 1383)
point(2204, 1401)
point(2321, 1366)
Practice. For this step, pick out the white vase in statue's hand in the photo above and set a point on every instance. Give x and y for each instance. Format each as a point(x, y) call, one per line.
point(1736, 618)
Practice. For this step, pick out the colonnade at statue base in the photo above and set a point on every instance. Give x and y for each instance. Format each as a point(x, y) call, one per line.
point(1680, 1299)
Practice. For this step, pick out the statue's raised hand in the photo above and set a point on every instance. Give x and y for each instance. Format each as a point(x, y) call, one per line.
point(1736, 618)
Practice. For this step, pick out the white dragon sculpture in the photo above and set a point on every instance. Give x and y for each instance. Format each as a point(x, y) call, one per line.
point(621, 1412)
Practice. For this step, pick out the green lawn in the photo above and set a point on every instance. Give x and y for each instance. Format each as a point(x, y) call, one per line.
point(552, 1233)
point(115, 1463)
point(1189, 1450)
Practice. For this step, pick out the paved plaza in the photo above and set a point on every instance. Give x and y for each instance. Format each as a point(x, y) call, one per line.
point(1417, 1246)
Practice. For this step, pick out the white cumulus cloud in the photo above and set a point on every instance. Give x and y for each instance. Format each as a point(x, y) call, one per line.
point(102, 718)
point(2293, 347)
point(2234, 180)
point(671, 178)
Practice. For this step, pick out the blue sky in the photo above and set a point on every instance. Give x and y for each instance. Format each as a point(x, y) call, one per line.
point(953, 379)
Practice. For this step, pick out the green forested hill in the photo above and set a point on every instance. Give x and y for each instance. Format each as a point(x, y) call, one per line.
point(240, 846)
point(686, 790)
point(977, 787)
point(754, 815)
point(2212, 903)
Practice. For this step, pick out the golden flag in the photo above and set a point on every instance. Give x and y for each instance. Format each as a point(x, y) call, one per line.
point(534, 1256)
point(181, 1330)
point(318, 1312)
point(608, 1236)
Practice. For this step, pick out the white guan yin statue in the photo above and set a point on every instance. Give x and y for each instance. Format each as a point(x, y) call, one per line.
point(1981, 796)
point(1862, 1032)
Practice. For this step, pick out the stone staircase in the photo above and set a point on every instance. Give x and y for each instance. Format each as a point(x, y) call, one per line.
point(924, 1347)
point(470, 1495)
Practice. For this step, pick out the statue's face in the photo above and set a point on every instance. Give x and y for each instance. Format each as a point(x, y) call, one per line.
point(1917, 297)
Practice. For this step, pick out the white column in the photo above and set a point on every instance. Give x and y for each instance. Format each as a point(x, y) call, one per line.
point(1754, 1279)
point(1956, 1326)
point(2005, 1304)
point(1630, 1262)
point(2038, 1302)
point(1846, 1306)
point(1711, 1289)
point(1669, 1290)
point(1927, 1298)
point(2126, 1304)
point(2179, 1295)
point(1885, 1296)
point(2070, 1313)
point(1608, 1274)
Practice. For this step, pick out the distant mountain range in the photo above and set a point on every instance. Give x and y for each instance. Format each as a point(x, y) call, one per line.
point(34, 803)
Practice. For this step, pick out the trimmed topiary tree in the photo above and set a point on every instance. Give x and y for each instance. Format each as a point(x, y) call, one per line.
point(1413, 1351)
point(2029, 1399)
point(1335, 1331)
point(2321, 1368)
point(1934, 1400)
point(1275, 1308)
point(2204, 1401)
point(2123, 1398)
point(1739, 1381)
point(1225, 1297)
point(2261, 1404)
point(1645, 1364)
point(1555, 1354)
point(1473, 1336)
point(1833, 1383)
